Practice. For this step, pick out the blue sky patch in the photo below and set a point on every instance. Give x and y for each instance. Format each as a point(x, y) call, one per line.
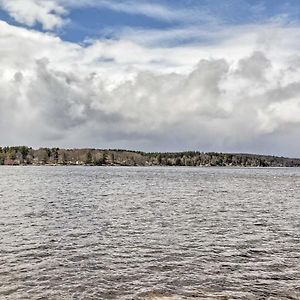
point(105, 19)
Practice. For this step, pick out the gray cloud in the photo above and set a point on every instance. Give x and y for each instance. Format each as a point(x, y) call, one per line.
point(254, 67)
point(194, 109)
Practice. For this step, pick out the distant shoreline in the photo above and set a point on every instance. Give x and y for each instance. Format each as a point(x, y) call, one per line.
point(24, 156)
point(150, 166)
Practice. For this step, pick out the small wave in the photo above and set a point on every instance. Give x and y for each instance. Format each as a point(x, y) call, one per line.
point(159, 296)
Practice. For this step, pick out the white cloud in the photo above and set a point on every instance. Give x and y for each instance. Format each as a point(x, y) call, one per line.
point(141, 7)
point(49, 13)
point(230, 95)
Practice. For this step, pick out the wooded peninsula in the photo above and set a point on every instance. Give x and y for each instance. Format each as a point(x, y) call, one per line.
point(22, 155)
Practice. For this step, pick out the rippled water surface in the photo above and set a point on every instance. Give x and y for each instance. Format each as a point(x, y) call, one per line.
point(149, 233)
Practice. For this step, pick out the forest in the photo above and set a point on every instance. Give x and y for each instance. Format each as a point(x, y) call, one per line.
point(23, 155)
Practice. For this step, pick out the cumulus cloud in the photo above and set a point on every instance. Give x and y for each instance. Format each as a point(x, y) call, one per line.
point(49, 13)
point(122, 93)
point(254, 67)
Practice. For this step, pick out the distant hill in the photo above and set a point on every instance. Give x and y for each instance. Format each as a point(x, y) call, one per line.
point(23, 155)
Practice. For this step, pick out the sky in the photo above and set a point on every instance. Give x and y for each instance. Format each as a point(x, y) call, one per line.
point(203, 75)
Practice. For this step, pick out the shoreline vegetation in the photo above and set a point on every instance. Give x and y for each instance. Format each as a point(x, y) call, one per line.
point(23, 155)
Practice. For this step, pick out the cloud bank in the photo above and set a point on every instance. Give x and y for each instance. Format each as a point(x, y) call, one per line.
point(241, 93)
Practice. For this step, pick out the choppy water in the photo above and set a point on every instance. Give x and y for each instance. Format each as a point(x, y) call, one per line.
point(149, 233)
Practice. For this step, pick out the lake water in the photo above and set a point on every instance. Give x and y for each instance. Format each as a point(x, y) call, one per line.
point(149, 233)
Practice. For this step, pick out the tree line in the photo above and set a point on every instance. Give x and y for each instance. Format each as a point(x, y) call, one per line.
point(23, 155)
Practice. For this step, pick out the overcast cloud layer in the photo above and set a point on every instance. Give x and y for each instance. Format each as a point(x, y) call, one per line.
point(237, 91)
